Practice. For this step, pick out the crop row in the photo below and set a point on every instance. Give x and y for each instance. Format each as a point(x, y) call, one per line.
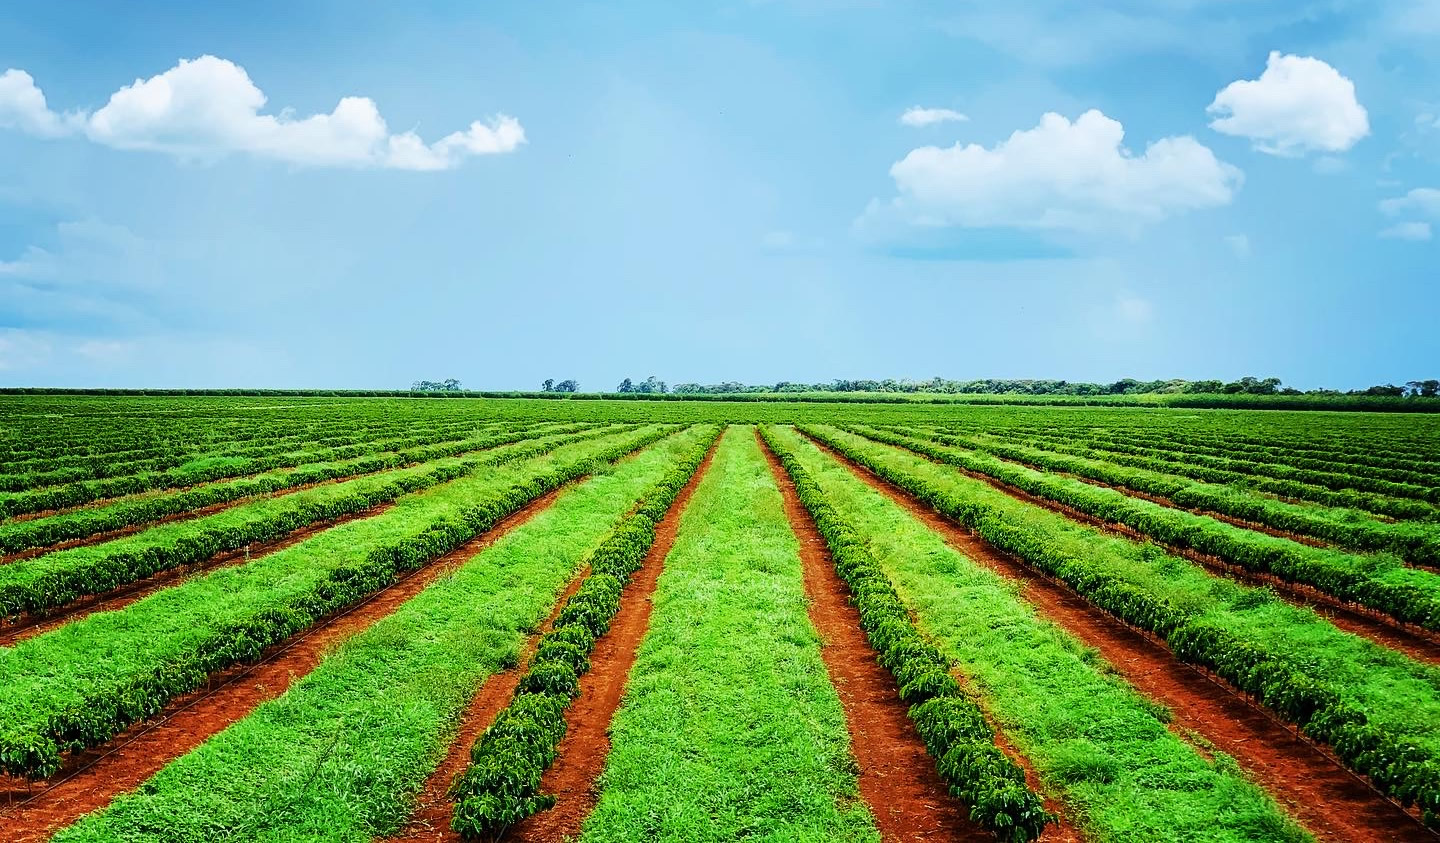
point(33, 474)
point(1111, 756)
point(81, 523)
point(339, 755)
point(1290, 680)
point(730, 727)
point(501, 785)
point(47, 582)
point(1418, 543)
point(1406, 594)
point(75, 494)
point(257, 605)
point(1335, 462)
point(1333, 480)
point(952, 726)
point(1400, 508)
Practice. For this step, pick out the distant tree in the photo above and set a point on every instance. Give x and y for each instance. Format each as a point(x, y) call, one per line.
point(1381, 389)
point(568, 386)
point(625, 386)
point(652, 385)
point(450, 385)
point(1424, 389)
point(548, 385)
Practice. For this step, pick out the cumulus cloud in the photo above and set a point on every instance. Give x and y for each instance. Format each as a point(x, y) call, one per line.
point(1407, 231)
point(919, 117)
point(208, 107)
point(1058, 175)
point(23, 107)
point(1298, 105)
point(1421, 200)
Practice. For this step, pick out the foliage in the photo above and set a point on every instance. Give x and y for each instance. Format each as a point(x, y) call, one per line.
point(34, 737)
point(501, 786)
point(952, 726)
point(1282, 680)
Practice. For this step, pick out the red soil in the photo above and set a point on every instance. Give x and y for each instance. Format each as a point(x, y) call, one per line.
point(30, 626)
point(430, 820)
point(1416, 642)
point(93, 778)
point(586, 745)
point(1314, 787)
point(898, 780)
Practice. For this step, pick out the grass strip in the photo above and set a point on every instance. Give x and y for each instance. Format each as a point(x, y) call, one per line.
point(197, 471)
point(1101, 447)
point(32, 586)
point(78, 685)
point(1378, 710)
point(501, 785)
point(340, 755)
point(730, 727)
point(1380, 582)
point(952, 726)
point(1096, 743)
point(82, 523)
point(1415, 542)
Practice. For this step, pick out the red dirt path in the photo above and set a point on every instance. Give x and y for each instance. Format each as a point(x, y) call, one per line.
point(586, 745)
point(898, 780)
point(1316, 789)
point(94, 778)
point(430, 819)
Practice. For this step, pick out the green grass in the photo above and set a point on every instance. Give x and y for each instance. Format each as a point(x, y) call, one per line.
point(148, 506)
point(1097, 744)
point(81, 671)
point(46, 582)
point(339, 755)
point(1393, 690)
point(1377, 581)
point(730, 728)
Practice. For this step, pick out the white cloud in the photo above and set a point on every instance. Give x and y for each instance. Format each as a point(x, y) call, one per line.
point(22, 106)
point(1059, 175)
point(208, 107)
point(1299, 104)
point(1407, 231)
point(1239, 244)
point(1422, 200)
point(920, 117)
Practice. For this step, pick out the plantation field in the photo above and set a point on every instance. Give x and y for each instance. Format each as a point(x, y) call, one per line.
point(321, 617)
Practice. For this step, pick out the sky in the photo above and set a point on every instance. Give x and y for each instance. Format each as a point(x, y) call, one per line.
point(360, 195)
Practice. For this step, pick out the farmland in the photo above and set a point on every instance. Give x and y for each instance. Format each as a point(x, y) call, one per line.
point(327, 617)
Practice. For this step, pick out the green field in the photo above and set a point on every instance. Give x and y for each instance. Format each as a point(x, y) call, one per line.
point(1011, 565)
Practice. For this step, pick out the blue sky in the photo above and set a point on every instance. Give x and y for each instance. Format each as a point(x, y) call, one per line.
point(717, 191)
